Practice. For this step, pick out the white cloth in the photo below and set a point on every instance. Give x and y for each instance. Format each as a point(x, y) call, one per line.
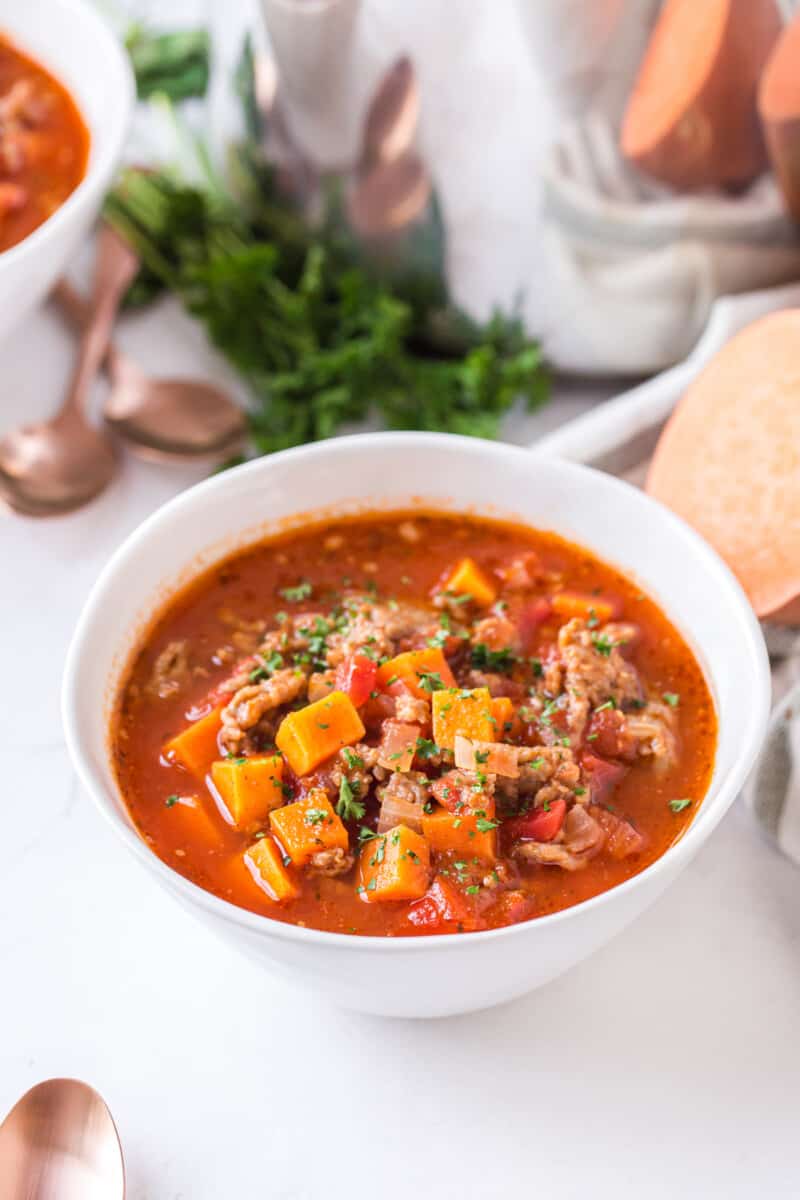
point(632, 267)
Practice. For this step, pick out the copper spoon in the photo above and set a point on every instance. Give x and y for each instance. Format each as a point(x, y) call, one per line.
point(160, 418)
point(65, 462)
point(392, 116)
point(59, 1142)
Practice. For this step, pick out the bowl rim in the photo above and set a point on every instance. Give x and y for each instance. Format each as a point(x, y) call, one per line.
point(99, 169)
point(752, 647)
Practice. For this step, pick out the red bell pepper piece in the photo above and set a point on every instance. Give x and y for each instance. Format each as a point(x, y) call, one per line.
point(356, 677)
point(603, 775)
point(539, 825)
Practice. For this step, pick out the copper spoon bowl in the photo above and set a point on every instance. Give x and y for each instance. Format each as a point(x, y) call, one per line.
point(59, 1142)
point(64, 463)
point(160, 418)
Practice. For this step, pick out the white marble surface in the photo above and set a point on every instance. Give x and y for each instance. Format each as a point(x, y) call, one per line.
point(667, 1065)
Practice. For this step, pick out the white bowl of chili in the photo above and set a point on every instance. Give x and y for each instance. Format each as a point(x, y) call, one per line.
point(67, 104)
point(672, 571)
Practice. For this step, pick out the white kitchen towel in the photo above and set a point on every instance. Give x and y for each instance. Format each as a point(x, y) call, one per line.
point(773, 790)
point(631, 267)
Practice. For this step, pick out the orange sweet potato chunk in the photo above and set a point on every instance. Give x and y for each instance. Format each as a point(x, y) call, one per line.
point(249, 787)
point(394, 866)
point(265, 863)
point(312, 734)
point(502, 709)
point(728, 460)
point(465, 711)
point(779, 108)
point(469, 580)
point(588, 608)
point(464, 833)
point(408, 670)
point(691, 120)
point(307, 826)
point(196, 748)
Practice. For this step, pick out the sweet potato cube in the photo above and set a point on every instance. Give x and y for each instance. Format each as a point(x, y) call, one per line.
point(503, 712)
point(195, 819)
point(307, 826)
point(196, 747)
point(394, 866)
point(312, 734)
point(249, 787)
point(265, 863)
point(469, 580)
point(589, 608)
point(465, 833)
point(465, 711)
point(409, 670)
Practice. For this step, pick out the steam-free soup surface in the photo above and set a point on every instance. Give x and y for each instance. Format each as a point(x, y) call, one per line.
point(410, 724)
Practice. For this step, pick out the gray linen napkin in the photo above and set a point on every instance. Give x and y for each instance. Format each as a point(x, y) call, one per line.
point(772, 793)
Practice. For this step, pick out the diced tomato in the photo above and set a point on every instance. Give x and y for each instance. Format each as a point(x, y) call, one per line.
point(455, 791)
point(442, 909)
point(580, 604)
point(511, 907)
point(356, 677)
point(603, 775)
point(622, 839)
point(539, 825)
point(532, 616)
point(609, 736)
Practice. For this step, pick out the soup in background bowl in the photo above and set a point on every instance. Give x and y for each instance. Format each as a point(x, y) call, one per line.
point(485, 514)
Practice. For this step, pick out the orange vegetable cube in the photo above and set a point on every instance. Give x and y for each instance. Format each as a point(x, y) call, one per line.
point(193, 819)
point(465, 711)
point(265, 863)
point(503, 711)
point(312, 734)
point(394, 866)
point(469, 580)
point(408, 669)
point(307, 826)
point(576, 604)
point(465, 833)
point(249, 787)
point(196, 747)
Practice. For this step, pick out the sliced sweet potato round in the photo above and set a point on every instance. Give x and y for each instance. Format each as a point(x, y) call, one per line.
point(779, 108)
point(691, 120)
point(728, 460)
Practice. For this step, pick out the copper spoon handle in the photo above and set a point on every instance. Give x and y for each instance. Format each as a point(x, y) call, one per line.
point(115, 269)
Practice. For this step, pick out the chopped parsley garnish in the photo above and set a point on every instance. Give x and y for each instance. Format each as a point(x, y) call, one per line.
point(170, 800)
point(481, 756)
point(459, 598)
point(348, 808)
point(679, 805)
point(425, 748)
point(430, 681)
point(603, 645)
point(671, 698)
point(295, 594)
point(484, 825)
point(473, 889)
point(484, 659)
point(536, 667)
point(270, 663)
point(352, 759)
point(365, 834)
point(610, 703)
point(315, 816)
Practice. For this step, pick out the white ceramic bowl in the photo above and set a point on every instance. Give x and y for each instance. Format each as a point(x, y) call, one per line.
point(422, 976)
point(72, 41)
